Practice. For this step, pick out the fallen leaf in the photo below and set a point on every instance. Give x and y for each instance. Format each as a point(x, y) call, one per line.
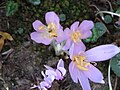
point(6, 35)
point(1, 43)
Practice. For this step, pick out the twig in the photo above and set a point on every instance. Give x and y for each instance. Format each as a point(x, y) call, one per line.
point(2, 3)
point(8, 52)
point(111, 9)
point(95, 7)
point(98, 10)
point(109, 80)
point(108, 12)
point(2, 7)
point(115, 83)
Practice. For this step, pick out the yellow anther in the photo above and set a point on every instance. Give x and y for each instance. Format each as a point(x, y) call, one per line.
point(52, 30)
point(80, 62)
point(86, 64)
point(51, 26)
point(82, 68)
point(49, 31)
point(42, 28)
point(76, 36)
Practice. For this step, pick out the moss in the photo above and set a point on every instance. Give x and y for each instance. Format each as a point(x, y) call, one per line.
point(28, 13)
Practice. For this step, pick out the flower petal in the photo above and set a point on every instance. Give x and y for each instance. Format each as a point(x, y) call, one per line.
point(38, 37)
point(86, 25)
point(74, 26)
point(37, 24)
point(67, 33)
point(60, 63)
point(79, 47)
point(60, 36)
point(83, 81)
point(102, 52)
point(48, 67)
point(67, 45)
point(51, 17)
point(75, 49)
point(85, 34)
point(71, 51)
point(94, 74)
point(50, 72)
point(49, 79)
point(44, 84)
point(59, 75)
point(73, 72)
point(62, 70)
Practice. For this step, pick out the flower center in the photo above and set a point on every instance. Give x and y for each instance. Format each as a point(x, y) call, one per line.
point(76, 36)
point(80, 62)
point(52, 30)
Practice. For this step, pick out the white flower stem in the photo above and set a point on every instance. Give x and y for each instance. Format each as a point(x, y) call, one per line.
point(108, 12)
point(109, 80)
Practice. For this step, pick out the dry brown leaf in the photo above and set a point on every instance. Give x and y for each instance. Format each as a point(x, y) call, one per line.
point(1, 43)
point(6, 36)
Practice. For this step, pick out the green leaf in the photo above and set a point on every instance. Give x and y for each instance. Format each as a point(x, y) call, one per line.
point(35, 2)
point(108, 19)
point(115, 64)
point(106, 88)
point(118, 11)
point(98, 30)
point(11, 8)
point(62, 17)
point(20, 31)
point(118, 2)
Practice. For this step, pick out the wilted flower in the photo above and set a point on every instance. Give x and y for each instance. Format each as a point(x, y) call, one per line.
point(48, 80)
point(50, 75)
point(59, 72)
point(46, 34)
point(46, 83)
point(76, 33)
point(80, 67)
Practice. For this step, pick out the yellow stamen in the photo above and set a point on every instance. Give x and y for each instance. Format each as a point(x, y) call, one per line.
point(42, 27)
point(82, 68)
point(80, 63)
point(76, 36)
point(52, 30)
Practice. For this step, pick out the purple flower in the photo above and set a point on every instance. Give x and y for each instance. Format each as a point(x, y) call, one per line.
point(118, 22)
point(76, 33)
point(46, 34)
point(47, 83)
point(50, 75)
point(59, 72)
point(80, 67)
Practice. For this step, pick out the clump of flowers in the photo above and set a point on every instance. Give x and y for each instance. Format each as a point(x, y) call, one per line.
point(47, 33)
point(51, 74)
point(76, 33)
point(80, 68)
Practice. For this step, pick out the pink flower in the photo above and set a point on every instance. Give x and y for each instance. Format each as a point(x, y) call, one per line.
point(50, 75)
point(59, 72)
point(48, 80)
point(80, 67)
point(46, 34)
point(76, 33)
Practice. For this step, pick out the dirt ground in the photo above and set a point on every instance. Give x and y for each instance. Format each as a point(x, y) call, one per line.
point(21, 67)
